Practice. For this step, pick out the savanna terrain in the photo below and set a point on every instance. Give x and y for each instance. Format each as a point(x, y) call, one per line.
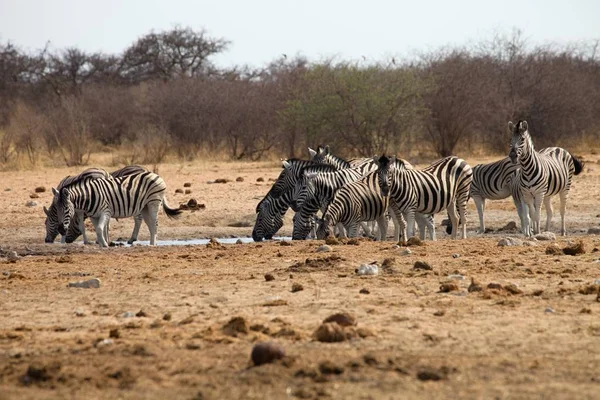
point(180, 321)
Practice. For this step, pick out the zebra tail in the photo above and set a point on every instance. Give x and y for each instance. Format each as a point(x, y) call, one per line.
point(171, 212)
point(578, 164)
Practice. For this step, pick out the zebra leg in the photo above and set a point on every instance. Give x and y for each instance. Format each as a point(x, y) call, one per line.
point(99, 224)
point(549, 214)
point(480, 204)
point(137, 223)
point(382, 224)
point(451, 209)
point(421, 220)
point(410, 223)
point(396, 226)
point(563, 209)
point(150, 215)
point(537, 213)
point(341, 230)
point(352, 229)
point(526, 220)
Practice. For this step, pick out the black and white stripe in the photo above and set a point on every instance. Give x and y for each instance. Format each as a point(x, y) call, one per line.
point(101, 199)
point(443, 185)
point(542, 175)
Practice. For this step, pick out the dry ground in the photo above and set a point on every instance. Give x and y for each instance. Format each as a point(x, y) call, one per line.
point(535, 336)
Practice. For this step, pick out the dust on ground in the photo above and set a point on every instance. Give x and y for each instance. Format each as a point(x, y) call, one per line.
point(180, 321)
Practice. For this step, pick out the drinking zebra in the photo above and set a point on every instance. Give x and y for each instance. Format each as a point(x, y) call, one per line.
point(444, 185)
point(103, 198)
point(353, 203)
point(542, 175)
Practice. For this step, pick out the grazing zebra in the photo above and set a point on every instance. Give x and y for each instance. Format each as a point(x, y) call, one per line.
point(493, 181)
point(323, 156)
point(103, 198)
point(542, 175)
point(51, 222)
point(353, 203)
point(443, 185)
point(76, 229)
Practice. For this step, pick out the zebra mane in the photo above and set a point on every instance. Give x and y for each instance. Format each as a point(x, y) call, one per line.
point(128, 170)
point(90, 173)
point(325, 167)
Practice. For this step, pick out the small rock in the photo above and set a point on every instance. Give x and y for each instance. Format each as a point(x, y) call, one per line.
point(260, 179)
point(585, 310)
point(188, 191)
point(239, 179)
point(575, 249)
point(331, 332)
point(104, 343)
point(455, 255)
point(34, 196)
point(512, 289)
point(167, 316)
point(509, 241)
point(269, 277)
point(179, 191)
point(554, 250)
point(545, 236)
point(493, 285)
point(593, 231)
point(90, 283)
point(12, 256)
point(439, 313)
point(456, 277)
point(114, 333)
point(448, 287)
point(323, 248)
point(364, 291)
point(266, 352)
point(128, 314)
point(414, 241)
point(141, 314)
point(297, 287)
point(187, 184)
point(329, 368)
point(511, 226)
point(235, 326)
point(332, 240)
point(474, 286)
point(396, 247)
point(285, 243)
point(342, 319)
point(31, 203)
point(222, 180)
point(406, 252)
point(422, 265)
point(239, 241)
point(549, 310)
point(79, 312)
point(367, 269)
point(40, 189)
point(430, 374)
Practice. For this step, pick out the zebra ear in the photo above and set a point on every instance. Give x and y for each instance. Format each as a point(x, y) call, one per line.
point(524, 126)
point(312, 153)
point(327, 149)
point(286, 164)
point(45, 210)
point(54, 192)
point(511, 127)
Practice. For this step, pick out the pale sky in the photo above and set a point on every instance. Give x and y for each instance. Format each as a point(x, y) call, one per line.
point(262, 30)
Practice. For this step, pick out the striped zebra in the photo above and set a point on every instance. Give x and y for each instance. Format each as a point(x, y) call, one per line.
point(492, 181)
point(323, 156)
point(353, 203)
point(103, 198)
point(76, 228)
point(443, 185)
point(542, 175)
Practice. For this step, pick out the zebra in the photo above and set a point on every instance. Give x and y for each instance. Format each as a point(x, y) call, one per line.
point(493, 181)
point(444, 184)
point(353, 203)
point(103, 198)
point(542, 175)
point(323, 156)
point(76, 229)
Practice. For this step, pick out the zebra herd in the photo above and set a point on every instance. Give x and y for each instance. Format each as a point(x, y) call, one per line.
point(132, 191)
point(350, 193)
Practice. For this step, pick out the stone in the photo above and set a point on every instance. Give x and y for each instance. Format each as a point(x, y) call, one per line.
point(593, 231)
point(93, 283)
point(31, 203)
point(510, 241)
point(34, 196)
point(554, 250)
point(235, 326)
point(187, 184)
point(545, 236)
point(239, 179)
point(178, 191)
point(12, 256)
point(367, 269)
point(297, 287)
point(266, 352)
point(260, 179)
point(414, 241)
point(342, 319)
point(474, 286)
point(128, 314)
point(448, 287)
point(455, 255)
point(188, 191)
point(511, 226)
point(40, 189)
point(269, 277)
point(422, 265)
point(575, 249)
point(239, 241)
point(406, 252)
point(323, 248)
point(364, 291)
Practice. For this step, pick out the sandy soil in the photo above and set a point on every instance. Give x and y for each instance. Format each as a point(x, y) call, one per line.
point(160, 324)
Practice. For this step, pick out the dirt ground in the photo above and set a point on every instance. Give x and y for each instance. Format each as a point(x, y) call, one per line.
point(180, 321)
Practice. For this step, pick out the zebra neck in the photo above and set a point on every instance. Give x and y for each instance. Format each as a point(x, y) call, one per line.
point(337, 162)
point(530, 160)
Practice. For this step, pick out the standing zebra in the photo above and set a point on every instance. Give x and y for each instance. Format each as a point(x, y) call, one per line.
point(323, 156)
point(443, 185)
point(541, 176)
point(103, 198)
point(493, 181)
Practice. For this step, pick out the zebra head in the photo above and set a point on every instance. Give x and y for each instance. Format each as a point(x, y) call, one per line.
point(518, 140)
point(284, 180)
point(384, 174)
point(73, 232)
point(320, 155)
point(323, 228)
point(64, 209)
point(302, 227)
point(268, 220)
point(51, 223)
